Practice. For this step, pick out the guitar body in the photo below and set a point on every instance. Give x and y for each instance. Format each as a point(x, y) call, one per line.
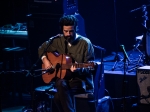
point(56, 60)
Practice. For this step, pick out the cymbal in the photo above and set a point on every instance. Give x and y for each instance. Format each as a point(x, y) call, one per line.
point(139, 37)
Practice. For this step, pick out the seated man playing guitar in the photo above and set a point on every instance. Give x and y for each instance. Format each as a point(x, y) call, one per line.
point(68, 48)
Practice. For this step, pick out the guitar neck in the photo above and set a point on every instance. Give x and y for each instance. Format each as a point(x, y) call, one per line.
point(79, 65)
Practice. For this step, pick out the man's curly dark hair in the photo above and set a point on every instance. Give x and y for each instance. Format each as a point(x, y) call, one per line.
point(68, 20)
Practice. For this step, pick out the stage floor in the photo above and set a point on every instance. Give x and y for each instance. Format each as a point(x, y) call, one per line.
point(114, 64)
point(114, 73)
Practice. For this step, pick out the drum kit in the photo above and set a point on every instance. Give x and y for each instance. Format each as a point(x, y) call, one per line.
point(141, 40)
point(137, 56)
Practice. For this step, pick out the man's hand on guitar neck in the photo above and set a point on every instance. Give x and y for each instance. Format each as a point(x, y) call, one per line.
point(73, 68)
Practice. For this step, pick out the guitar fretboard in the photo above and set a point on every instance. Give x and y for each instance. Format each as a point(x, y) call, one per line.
point(79, 65)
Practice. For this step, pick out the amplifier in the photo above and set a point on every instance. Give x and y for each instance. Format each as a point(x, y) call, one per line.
point(143, 80)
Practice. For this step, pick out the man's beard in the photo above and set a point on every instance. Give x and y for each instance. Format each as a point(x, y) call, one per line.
point(70, 38)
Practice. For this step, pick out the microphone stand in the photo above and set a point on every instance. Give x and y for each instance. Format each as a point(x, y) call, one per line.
point(31, 72)
point(124, 85)
point(117, 57)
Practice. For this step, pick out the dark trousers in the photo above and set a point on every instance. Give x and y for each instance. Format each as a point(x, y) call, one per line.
point(63, 97)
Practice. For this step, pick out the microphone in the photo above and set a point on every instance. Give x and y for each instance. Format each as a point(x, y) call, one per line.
point(50, 70)
point(103, 49)
point(124, 52)
point(56, 36)
point(51, 40)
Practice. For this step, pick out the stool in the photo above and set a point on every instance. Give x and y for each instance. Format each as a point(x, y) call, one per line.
point(45, 92)
point(49, 91)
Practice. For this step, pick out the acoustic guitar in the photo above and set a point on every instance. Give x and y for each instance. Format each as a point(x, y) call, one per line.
point(60, 63)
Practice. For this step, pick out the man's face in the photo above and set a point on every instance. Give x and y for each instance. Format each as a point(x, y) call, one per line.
point(69, 33)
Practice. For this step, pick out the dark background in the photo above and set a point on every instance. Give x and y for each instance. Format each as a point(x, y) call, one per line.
point(108, 23)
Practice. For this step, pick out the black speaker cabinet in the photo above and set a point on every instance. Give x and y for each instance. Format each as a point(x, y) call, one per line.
point(40, 28)
point(143, 80)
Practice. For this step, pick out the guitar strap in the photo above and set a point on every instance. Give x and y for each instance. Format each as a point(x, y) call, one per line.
point(66, 49)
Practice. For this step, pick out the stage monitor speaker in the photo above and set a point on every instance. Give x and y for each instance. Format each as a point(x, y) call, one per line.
point(143, 80)
point(40, 28)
